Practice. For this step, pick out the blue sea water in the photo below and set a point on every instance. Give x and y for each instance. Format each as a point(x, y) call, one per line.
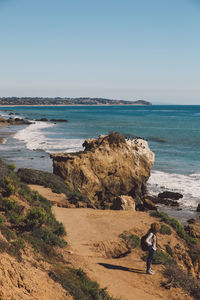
point(173, 134)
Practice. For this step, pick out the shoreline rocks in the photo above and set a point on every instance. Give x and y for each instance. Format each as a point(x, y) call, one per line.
point(167, 198)
point(14, 121)
point(170, 195)
point(52, 120)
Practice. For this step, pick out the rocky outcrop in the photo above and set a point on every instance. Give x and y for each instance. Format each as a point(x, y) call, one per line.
point(16, 121)
point(170, 195)
point(123, 203)
point(109, 167)
point(165, 198)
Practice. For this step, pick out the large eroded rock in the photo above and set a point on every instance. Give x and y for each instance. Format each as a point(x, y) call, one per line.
point(110, 166)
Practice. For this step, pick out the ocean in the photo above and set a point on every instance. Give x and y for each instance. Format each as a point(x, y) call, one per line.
point(173, 134)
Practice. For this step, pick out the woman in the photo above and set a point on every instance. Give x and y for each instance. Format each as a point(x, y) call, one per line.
point(151, 241)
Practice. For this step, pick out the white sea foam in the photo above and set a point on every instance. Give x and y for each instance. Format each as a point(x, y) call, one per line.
point(189, 186)
point(35, 138)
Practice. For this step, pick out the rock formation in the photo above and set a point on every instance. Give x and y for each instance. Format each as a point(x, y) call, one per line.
point(109, 167)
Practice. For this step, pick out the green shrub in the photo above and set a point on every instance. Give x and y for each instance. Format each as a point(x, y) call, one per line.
point(58, 228)
point(10, 204)
point(8, 233)
point(177, 278)
point(48, 237)
point(49, 180)
point(19, 244)
point(14, 218)
point(35, 217)
point(160, 257)
point(132, 240)
point(176, 225)
point(47, 251)
point(78, 284)
point(9, 186)
point(164, 229)
point(2, 220)
point(11, 167)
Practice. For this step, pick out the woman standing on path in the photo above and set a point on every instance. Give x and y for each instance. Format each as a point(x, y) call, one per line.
point(151, 241)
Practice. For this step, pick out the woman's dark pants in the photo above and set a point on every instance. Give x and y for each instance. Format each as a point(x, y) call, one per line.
point(150, 257)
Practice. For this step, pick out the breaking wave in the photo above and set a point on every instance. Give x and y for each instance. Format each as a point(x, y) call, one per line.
point(35, 137)
point(188, 185)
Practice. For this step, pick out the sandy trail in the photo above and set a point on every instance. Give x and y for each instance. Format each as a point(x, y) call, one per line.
point(124, 277)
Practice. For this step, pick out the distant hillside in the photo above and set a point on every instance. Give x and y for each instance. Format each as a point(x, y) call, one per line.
point(67, 101)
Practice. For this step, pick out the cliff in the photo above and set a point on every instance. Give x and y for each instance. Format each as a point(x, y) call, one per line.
point(37, 263)
point(110, 166)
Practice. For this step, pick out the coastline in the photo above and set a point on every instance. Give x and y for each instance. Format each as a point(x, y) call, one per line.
point(37, 156)
point(60, 105)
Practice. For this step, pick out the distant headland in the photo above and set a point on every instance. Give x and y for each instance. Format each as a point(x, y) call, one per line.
point(67, 101)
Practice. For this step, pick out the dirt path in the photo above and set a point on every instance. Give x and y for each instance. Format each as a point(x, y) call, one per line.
point(124, 277)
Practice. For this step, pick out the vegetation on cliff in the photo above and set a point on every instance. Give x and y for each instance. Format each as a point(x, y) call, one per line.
point(26, 221)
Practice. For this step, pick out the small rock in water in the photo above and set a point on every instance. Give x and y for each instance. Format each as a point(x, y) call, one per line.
point(58, 120)
point(198, 207)
point(170, 195)
point(191, 221)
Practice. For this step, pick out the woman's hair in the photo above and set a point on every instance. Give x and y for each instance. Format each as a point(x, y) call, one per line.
point(155, 227)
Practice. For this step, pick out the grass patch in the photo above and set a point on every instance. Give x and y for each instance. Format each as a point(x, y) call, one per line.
point(164, 229)
point(48, 237)
point(8, 233)
point(49, 180)
point(78, 284)
point(130, 239)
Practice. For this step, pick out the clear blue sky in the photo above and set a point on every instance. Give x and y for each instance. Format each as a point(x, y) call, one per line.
point(120, 49)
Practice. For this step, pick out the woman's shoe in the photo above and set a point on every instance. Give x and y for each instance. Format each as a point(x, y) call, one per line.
point(150, 272)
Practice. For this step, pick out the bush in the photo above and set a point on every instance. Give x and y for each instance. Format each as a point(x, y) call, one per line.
point(35, 217)
point(78, 284)
point(2, 220)
point(9, 186)
point(177, 278)
point(47, 251)
point(48, 237)
point(11, 167)
point(19, 244)
point(164, 229)
point(10, 204)
point(9, 234)
point(159, 258)
point(132, 240)
point(176, 225)
point(49, 180)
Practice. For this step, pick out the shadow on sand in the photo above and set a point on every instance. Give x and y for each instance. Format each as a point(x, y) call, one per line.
point(115, 267)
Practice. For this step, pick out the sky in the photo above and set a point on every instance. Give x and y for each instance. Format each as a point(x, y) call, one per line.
point(118, 49)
